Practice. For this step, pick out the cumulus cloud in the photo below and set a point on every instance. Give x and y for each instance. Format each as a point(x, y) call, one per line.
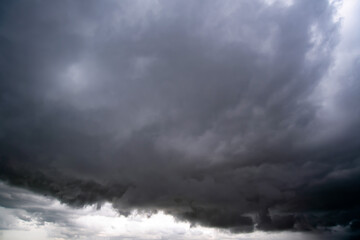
point(226, 114)
point(24, 214)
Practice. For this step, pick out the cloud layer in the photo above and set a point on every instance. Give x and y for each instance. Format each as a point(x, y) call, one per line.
point(28, 215)
point(232, 114)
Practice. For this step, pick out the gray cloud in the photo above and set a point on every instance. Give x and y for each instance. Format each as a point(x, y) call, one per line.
point(204, 110)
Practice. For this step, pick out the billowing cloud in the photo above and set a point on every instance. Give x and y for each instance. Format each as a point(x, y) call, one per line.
point(28, 215)
point(228, 114)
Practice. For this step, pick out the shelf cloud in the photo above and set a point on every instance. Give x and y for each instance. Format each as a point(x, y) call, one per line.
point(238, 115)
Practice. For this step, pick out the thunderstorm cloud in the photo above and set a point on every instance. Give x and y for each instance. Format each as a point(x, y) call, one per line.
point(236, 115)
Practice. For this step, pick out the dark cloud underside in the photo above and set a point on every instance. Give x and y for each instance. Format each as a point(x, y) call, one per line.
point(207, 110)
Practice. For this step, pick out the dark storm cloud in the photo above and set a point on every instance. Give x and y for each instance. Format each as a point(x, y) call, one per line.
point(203, 109)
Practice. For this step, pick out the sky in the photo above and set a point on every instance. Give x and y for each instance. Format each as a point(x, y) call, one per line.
point(180, 119)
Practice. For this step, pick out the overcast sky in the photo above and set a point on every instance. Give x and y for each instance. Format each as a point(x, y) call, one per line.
point(180, 119)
